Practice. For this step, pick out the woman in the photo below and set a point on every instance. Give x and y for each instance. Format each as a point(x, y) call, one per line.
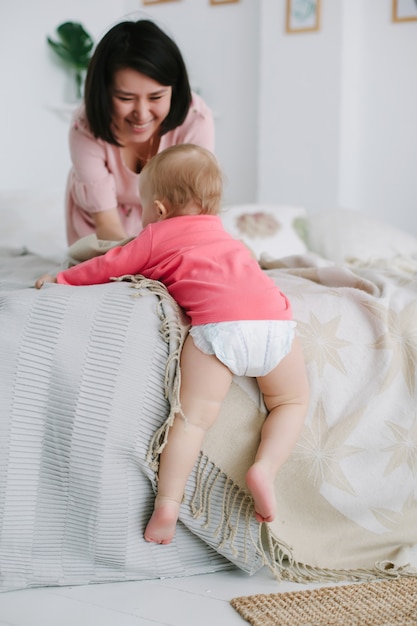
point(137, 102)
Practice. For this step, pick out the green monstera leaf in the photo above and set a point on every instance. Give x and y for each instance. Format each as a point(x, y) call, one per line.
point(74, 48)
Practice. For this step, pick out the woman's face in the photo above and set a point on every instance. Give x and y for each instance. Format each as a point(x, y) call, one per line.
point(140, 105)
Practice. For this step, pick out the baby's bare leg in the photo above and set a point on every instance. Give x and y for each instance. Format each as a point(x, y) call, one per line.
point(204, 384)
point(286, 394)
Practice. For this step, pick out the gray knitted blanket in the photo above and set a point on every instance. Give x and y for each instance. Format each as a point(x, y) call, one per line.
point(82, 391)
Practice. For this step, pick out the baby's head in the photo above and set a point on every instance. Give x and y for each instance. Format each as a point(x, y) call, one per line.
point(182, 180)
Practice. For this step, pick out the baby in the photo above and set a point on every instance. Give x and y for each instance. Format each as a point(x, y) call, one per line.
point(241, 324)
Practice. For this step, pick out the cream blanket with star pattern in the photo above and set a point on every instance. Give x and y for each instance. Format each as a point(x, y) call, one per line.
point(347, 497)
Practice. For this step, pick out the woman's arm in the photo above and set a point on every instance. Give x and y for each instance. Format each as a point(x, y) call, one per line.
point(108, 225)
point(93, 184)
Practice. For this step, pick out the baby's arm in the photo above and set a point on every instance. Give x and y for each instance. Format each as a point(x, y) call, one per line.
point(131, 258)
point(45, 278)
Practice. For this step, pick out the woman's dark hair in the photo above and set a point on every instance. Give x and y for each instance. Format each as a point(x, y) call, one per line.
point(144, 47)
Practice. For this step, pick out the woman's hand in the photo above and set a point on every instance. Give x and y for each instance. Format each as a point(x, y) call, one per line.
point(45, 278)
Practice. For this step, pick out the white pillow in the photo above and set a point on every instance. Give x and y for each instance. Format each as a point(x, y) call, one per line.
point(268, 230)
point(34, 220)
point(343, 234)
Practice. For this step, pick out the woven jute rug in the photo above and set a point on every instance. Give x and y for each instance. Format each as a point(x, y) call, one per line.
point(386, 603)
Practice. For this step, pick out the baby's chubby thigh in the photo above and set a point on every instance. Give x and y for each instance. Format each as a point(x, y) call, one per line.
point(205, 382)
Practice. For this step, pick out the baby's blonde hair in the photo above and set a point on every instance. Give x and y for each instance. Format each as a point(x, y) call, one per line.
point(182, 175)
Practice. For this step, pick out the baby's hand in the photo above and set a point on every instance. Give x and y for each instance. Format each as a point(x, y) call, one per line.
point(45, 278)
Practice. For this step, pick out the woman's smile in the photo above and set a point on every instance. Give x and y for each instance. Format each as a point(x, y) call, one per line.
point(140, 127)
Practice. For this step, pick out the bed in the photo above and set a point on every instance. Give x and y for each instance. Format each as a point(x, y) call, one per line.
point(89, 377)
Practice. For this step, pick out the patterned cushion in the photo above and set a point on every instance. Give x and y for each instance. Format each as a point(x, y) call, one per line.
point(268, 230)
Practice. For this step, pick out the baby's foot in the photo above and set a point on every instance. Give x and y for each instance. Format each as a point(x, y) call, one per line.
point(261, 486)
point(161, 526)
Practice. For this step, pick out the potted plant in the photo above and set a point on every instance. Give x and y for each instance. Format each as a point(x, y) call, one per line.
point(74, 48)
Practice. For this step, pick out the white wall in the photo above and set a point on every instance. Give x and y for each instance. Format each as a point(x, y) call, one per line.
point(380, 173)
point(337, 111)
point(299, 111)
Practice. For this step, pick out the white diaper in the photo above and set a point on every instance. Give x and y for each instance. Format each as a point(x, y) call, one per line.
point(247, 348)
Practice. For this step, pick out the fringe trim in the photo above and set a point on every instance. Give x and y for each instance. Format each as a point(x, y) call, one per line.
point(174, 330)
point(236, 508)
point(302, 573)
point(227, 511)
point(230, 519)
point(236, 519)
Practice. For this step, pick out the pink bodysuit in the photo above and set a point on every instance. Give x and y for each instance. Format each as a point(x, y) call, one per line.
point(212, 276)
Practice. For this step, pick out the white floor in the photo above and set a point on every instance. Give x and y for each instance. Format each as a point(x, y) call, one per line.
point(193, 601)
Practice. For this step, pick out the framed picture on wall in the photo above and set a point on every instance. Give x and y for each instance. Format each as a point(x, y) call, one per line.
point(223, 1)
point(302, 16)
point(404, 10)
